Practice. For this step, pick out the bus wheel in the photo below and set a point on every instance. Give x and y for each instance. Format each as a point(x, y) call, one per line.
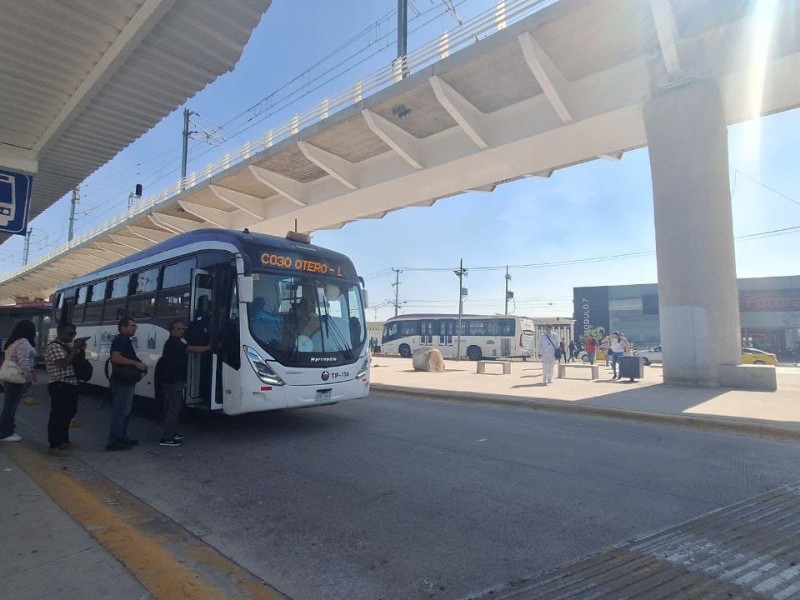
point(405, 351)
point(646, 361)
point(474, 353)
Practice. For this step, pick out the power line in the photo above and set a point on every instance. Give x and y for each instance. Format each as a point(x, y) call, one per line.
point(605, 258)
point(765, 186)
point(291, 97)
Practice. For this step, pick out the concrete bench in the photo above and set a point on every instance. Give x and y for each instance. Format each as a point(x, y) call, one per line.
point(503, 363)
point(562, 369)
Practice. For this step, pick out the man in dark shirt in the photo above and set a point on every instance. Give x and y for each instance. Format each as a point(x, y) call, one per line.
point(173, 371)
point(123, 355)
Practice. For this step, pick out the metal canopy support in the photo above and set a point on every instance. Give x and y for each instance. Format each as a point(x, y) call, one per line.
point(146, 18)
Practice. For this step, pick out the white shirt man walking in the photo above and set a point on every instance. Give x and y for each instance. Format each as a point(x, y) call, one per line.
point(548, 344)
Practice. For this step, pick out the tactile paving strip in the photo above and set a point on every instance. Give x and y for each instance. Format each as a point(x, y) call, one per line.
point(750, 549)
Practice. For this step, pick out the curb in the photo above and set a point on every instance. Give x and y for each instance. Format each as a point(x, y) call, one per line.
point(706, 423)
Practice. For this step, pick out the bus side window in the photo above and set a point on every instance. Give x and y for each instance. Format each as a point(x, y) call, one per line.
point(142, 303)
point(66, 302)
point(409, 328)
point(173, 298)
point(116, 299)
point(94, 304)
point(80, 304)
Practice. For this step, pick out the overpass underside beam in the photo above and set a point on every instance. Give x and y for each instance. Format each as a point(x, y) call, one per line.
point(698, 298)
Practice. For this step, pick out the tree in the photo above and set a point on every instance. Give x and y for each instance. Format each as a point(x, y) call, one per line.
point(597, 333)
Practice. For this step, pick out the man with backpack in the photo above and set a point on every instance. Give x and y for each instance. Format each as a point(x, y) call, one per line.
point(66, 365)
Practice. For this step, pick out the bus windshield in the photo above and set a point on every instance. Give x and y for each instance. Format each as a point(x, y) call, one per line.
point(302, 320)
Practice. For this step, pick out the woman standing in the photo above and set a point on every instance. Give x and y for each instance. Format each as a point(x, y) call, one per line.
point(19, 347)
point(619, 347)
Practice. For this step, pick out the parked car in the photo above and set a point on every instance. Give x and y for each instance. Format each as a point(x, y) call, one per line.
point(653, 355)
point(754, 356)
point(599, 355)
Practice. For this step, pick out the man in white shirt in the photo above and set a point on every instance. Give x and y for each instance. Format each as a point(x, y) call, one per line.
point(548, 344)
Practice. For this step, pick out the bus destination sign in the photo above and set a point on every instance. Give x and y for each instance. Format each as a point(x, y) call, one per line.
point(305, 265)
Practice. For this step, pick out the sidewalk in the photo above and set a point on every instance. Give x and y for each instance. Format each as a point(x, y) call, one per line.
point(768, 414)
point(44, 553)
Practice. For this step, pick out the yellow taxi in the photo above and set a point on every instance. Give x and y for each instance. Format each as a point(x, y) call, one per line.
point(754, 356)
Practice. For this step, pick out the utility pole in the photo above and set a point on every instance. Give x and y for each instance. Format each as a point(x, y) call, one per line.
point(402, 36)
point(76, 197)
point(509, 295)
point(461, 293)
point(184, 157)
point(27, 246)
point(396, 286)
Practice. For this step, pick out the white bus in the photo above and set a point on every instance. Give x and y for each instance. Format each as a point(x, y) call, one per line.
point(482, 336)
point(250, 289)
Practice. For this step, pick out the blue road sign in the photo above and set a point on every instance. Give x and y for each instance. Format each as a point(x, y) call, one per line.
point(15, 197)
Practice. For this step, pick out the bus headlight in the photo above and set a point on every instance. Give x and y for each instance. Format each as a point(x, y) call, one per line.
point(362, 372)
point(262, 369)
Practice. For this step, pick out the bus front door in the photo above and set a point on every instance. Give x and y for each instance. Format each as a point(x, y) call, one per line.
point(446, 330)
point(426, 333)
point(202, 367)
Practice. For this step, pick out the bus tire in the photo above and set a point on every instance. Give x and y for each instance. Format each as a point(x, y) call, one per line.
point(646, 361)
point(405, 351)
point(474, 353)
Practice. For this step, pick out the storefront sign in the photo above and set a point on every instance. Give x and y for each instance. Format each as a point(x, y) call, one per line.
point(769, 300)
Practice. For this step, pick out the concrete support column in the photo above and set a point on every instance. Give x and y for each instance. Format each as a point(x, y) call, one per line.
point(697, 291)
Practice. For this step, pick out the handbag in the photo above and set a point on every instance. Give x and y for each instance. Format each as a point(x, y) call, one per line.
point(557, 352)
point(126, 373)
point(10, 372)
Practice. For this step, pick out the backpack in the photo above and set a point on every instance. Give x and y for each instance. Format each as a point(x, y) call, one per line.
point(82, 367)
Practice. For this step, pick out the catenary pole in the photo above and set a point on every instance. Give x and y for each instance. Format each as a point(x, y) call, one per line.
point(460, 273)
point(508, 278)
point(402, 36)
point(185, 154)
point(76, 196)
point(27, 246)
point(396, 286)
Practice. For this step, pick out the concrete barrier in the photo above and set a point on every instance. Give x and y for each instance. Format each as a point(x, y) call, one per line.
point(749, 377)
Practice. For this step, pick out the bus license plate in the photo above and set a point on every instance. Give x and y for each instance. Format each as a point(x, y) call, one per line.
point(323, 396)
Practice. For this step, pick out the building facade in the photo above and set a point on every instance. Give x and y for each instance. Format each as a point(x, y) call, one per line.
point(769, 310)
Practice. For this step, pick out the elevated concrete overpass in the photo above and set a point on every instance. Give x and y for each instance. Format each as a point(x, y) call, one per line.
point(577, 80)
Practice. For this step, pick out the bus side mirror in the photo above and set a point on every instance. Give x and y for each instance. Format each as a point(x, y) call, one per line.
point(245, 289)
point(364, 298)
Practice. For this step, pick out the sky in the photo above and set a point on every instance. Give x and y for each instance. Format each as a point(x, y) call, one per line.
point(587, 225)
